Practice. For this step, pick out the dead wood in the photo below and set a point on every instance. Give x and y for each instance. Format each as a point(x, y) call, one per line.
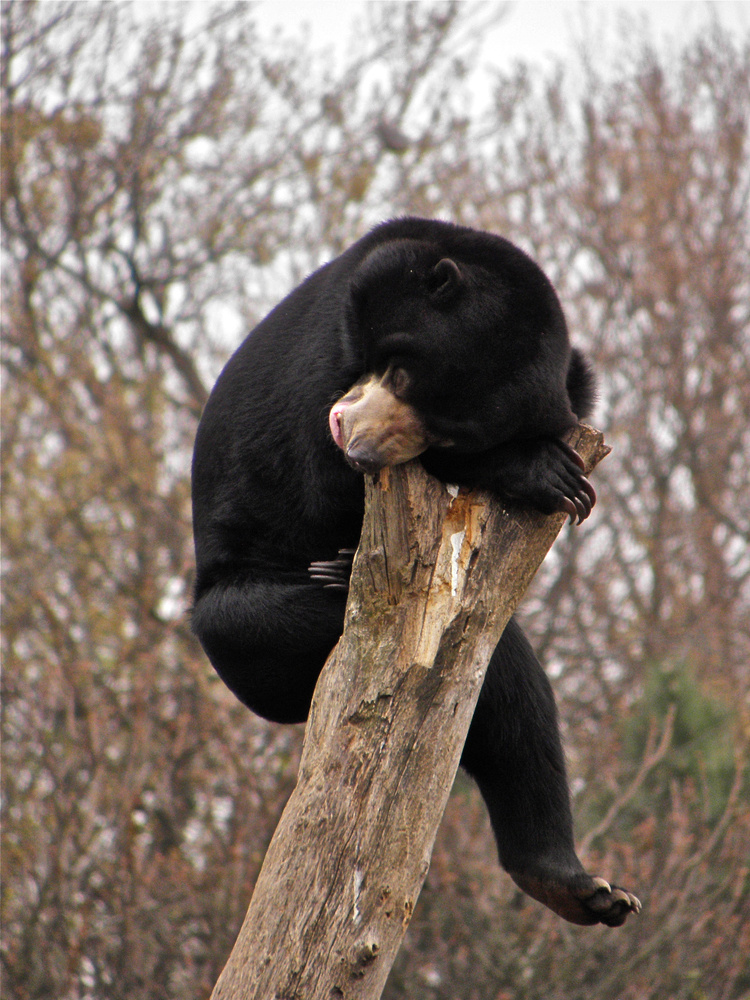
point(437, 575)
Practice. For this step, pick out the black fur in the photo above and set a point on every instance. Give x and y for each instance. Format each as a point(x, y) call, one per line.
point(479, 331)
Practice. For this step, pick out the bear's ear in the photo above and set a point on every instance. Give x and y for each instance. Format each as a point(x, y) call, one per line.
point(445, 280)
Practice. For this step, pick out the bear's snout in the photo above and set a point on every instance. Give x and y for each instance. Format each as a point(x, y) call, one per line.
point(375, 428)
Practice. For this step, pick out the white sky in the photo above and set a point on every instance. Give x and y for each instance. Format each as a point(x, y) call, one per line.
point(532, 29)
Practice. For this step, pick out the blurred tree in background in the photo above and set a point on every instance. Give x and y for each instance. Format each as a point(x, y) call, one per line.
point(162, 186)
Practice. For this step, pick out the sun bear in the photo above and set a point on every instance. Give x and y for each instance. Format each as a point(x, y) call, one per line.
point(422, 339)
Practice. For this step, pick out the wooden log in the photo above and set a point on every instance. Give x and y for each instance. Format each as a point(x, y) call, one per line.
point(437, 575)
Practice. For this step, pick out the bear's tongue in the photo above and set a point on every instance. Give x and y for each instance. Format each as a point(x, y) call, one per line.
point(335, 424)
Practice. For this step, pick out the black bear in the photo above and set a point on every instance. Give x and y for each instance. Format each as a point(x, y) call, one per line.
point(423, 338)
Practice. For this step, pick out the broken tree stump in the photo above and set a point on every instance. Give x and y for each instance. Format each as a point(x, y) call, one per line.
point(437, 575)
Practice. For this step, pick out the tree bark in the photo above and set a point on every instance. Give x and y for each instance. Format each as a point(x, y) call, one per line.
point(437, 575)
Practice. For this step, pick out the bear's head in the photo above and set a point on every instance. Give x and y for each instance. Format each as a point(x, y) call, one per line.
point(462, 344)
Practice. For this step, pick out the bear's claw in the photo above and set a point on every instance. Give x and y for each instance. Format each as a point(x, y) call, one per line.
point(333, 574)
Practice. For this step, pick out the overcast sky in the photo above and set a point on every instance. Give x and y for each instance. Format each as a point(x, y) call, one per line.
point(532, 29)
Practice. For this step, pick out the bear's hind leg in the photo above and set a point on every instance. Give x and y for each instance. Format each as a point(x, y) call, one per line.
point(514, 753)
point(268, 641)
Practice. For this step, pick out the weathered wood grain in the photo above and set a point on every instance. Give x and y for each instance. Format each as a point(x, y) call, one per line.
point(436, 577)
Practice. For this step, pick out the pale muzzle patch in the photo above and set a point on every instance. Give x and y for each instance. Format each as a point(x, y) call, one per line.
point(374, 428)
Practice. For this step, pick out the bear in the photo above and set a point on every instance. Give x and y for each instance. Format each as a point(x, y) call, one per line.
point(423, 339)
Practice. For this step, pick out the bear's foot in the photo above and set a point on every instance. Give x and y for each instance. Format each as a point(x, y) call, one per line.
point(580, 898)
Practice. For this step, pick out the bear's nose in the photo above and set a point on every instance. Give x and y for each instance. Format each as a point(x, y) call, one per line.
point(364, 458)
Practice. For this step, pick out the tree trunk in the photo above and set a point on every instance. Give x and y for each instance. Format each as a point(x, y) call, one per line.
point(437, 575)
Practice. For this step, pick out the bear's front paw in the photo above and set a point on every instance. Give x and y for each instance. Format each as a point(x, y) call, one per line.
point(333, 574)
point(549, 476)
